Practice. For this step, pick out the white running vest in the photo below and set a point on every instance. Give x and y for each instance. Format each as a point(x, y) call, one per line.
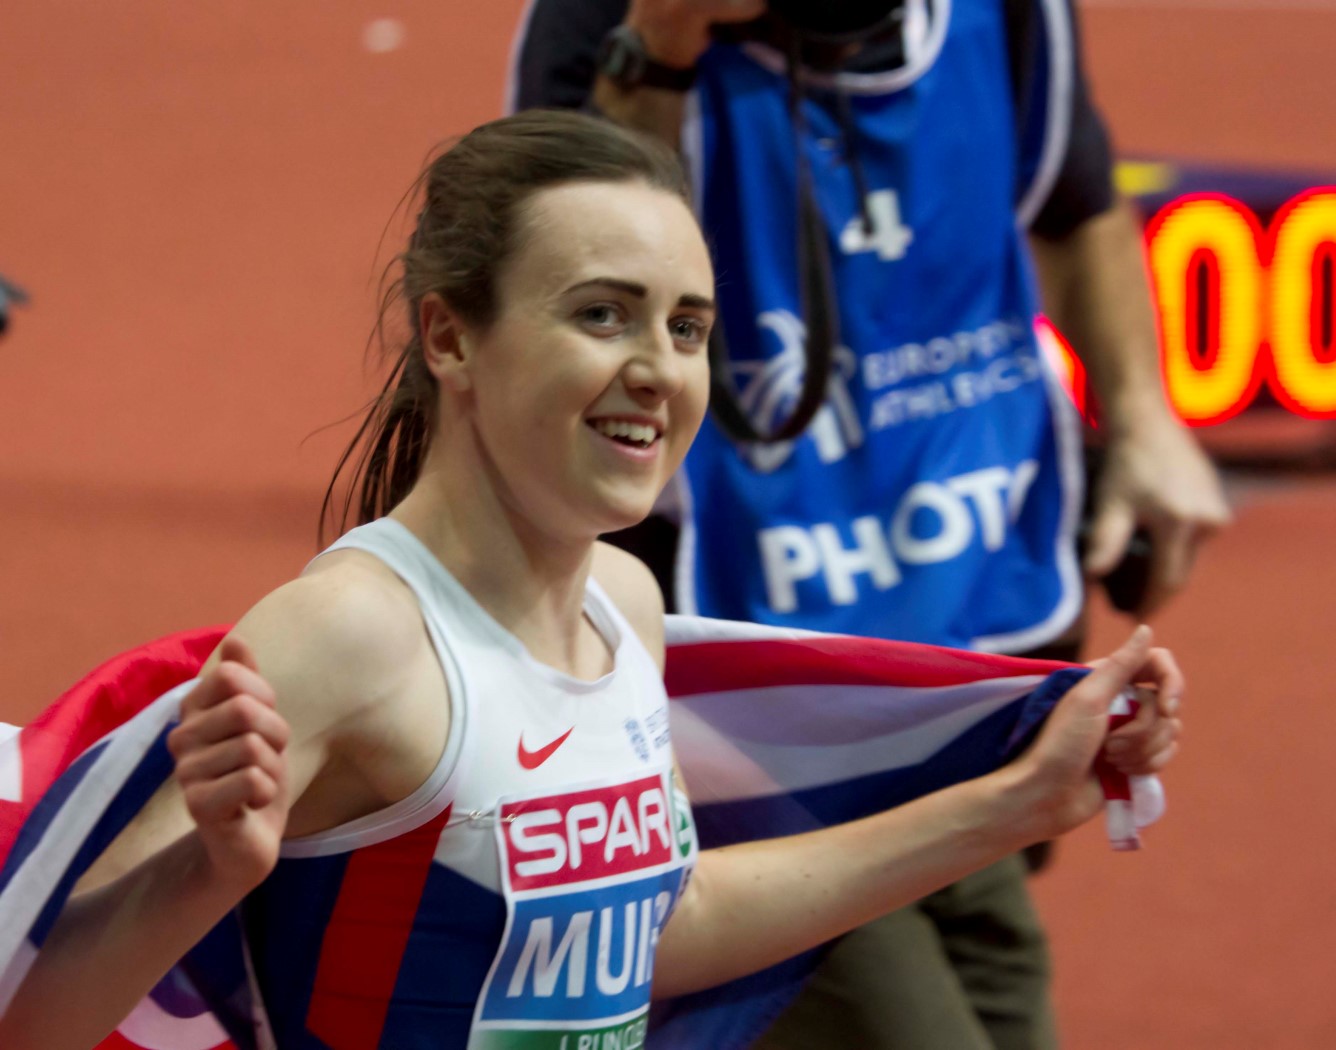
point(559, 845)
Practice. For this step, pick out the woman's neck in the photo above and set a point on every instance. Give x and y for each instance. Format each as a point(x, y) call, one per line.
point(530, 581)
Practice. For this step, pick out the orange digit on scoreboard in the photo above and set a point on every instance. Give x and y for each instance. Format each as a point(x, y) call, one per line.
point(1204, 253)
point(1302, 250)
point(1239, 308)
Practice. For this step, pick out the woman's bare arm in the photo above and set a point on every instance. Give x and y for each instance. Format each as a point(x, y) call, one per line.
point(247, 750)
point(753, 905)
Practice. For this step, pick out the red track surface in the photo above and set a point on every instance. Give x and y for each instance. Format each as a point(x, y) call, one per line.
point(193, 194)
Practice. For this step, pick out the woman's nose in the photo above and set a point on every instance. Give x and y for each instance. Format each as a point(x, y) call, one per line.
point(655, 370)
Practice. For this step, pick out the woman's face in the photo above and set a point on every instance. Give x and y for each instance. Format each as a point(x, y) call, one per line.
point(588, 387)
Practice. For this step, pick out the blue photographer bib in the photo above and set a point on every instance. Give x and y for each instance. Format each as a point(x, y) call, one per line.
point(935, 496)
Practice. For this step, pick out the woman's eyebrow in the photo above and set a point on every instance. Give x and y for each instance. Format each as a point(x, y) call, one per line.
point(695, 302)
point(629, 287)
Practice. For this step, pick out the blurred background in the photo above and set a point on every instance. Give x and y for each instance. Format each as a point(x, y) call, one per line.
point(193, 197)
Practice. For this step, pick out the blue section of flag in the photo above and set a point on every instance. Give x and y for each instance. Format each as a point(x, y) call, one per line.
point(734, 1015)
point(148, 775)
point(46, 811)
point(981, 748)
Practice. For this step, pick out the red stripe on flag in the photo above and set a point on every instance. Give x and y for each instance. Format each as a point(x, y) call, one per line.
point(1116, 785)
point(716, 667)
point(106, 697)
point(365, 940)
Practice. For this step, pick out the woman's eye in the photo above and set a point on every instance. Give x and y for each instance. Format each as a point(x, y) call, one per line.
point(601, 315)
point(691, 330)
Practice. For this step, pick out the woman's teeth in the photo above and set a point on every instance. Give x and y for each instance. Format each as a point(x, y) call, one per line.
point(639, 434)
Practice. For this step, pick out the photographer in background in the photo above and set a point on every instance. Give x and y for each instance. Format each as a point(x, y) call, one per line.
point(880, 183)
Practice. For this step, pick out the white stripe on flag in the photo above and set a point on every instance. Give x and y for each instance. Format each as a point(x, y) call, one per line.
point(12, 975)
point(720, 765)
point(11, 764)
point(31, 885)
point(688, 630)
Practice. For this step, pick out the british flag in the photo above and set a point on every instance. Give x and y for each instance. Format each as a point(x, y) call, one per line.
point(777, 732)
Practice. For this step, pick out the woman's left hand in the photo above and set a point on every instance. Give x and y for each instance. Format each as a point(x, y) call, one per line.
point(1058, 787)
point(1148, 742)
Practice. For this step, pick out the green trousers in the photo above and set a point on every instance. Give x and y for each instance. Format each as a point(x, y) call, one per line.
point(966, 968)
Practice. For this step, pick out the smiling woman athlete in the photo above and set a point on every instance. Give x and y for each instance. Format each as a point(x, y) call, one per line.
point(415, 774)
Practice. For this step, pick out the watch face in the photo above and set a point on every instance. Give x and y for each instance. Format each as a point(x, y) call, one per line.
point(623, 60)
point(623, 57)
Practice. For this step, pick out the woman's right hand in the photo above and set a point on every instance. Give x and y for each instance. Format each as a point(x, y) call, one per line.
point(231, 767)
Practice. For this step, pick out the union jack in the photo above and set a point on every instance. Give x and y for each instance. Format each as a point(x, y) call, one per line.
point(777, 731)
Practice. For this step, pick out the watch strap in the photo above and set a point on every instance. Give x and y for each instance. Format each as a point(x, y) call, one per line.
point(624, 60)
point(667, 78)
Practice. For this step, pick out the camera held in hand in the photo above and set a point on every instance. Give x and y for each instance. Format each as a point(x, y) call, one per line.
point(836, 24)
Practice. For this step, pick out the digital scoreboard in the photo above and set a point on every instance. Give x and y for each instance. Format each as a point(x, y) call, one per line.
point(1245, 284)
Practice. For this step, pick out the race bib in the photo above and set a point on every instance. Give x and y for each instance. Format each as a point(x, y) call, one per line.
point(590, 876)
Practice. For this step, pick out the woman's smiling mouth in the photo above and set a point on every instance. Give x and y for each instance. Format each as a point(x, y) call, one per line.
point(625, 432)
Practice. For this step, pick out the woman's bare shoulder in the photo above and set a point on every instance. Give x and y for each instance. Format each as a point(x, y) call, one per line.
point(342, 631)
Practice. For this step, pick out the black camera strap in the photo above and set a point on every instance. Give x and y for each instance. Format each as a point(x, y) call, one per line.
point(817, 299)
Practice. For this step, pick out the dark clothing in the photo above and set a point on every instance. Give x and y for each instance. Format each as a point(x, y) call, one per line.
point(555, 64)
point(966, 968)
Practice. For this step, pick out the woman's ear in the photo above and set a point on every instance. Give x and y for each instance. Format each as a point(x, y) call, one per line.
point(445, 343)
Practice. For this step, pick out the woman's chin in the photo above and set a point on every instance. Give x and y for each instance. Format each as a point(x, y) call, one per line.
point(617, 524)
point(624, 514)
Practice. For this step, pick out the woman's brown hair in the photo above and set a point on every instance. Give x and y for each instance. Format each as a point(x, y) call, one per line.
point(468, 226)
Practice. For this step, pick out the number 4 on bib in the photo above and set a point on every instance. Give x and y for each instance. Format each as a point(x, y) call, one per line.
point(889, 237)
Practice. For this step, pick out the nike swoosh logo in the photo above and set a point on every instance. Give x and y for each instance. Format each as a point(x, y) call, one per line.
point(534, 759)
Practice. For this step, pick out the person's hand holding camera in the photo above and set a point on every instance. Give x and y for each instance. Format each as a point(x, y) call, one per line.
point(677, 32)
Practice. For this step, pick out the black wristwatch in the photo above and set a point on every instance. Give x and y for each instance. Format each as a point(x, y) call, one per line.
point(623, 60)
